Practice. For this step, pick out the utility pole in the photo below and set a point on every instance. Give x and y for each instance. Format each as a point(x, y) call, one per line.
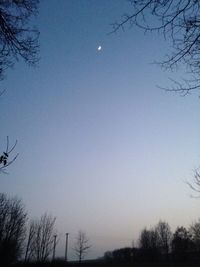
point(66, 246)
point(54, 247)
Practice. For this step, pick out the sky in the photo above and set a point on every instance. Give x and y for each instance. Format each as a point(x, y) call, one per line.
point(101, 146)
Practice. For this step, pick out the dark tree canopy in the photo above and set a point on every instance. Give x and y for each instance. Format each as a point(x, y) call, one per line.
point(181, 243)
point(17, 38)
point(12, 229)
point(178, 21)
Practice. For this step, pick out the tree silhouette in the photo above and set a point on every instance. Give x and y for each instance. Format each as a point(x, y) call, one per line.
point(29, 253)
point(5, 160)
point(40, 238)
point(148, 244)
point(195, 183)
point(18, 39)
point(178, 21)
point(164, 237)
point(155, 242)
point(81, 246)
point(195, 235)
point(122, 254)
point(181, 243)
point(12, 228)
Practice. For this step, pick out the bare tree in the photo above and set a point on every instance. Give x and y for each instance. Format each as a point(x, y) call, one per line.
point(195, 234)
point(30, 241)
point(178, 21)
point(40, 238)
point(155, 241)
point(81, 246)
point(148, 239)
point(12, 228)
point(5, 160)
point(164, 237)
point(195, 183)
point(18, 39)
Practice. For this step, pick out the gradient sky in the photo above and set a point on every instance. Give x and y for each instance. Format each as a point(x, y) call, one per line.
point(101, 147)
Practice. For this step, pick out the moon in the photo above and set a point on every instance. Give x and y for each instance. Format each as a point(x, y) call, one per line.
point(99, 48)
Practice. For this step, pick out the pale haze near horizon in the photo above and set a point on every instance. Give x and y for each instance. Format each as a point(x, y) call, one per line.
point(101, 147)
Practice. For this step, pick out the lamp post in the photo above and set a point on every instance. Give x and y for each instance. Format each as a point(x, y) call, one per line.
point(66, 246)
point(54, 247)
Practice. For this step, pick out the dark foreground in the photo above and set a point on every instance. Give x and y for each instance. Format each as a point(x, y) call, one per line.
point(113, 264)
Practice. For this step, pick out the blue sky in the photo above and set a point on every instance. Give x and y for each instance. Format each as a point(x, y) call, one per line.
point(101, 147)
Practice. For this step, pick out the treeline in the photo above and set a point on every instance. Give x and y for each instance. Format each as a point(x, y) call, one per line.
point(22, 238)
point(160, 244)
point(33, 240)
